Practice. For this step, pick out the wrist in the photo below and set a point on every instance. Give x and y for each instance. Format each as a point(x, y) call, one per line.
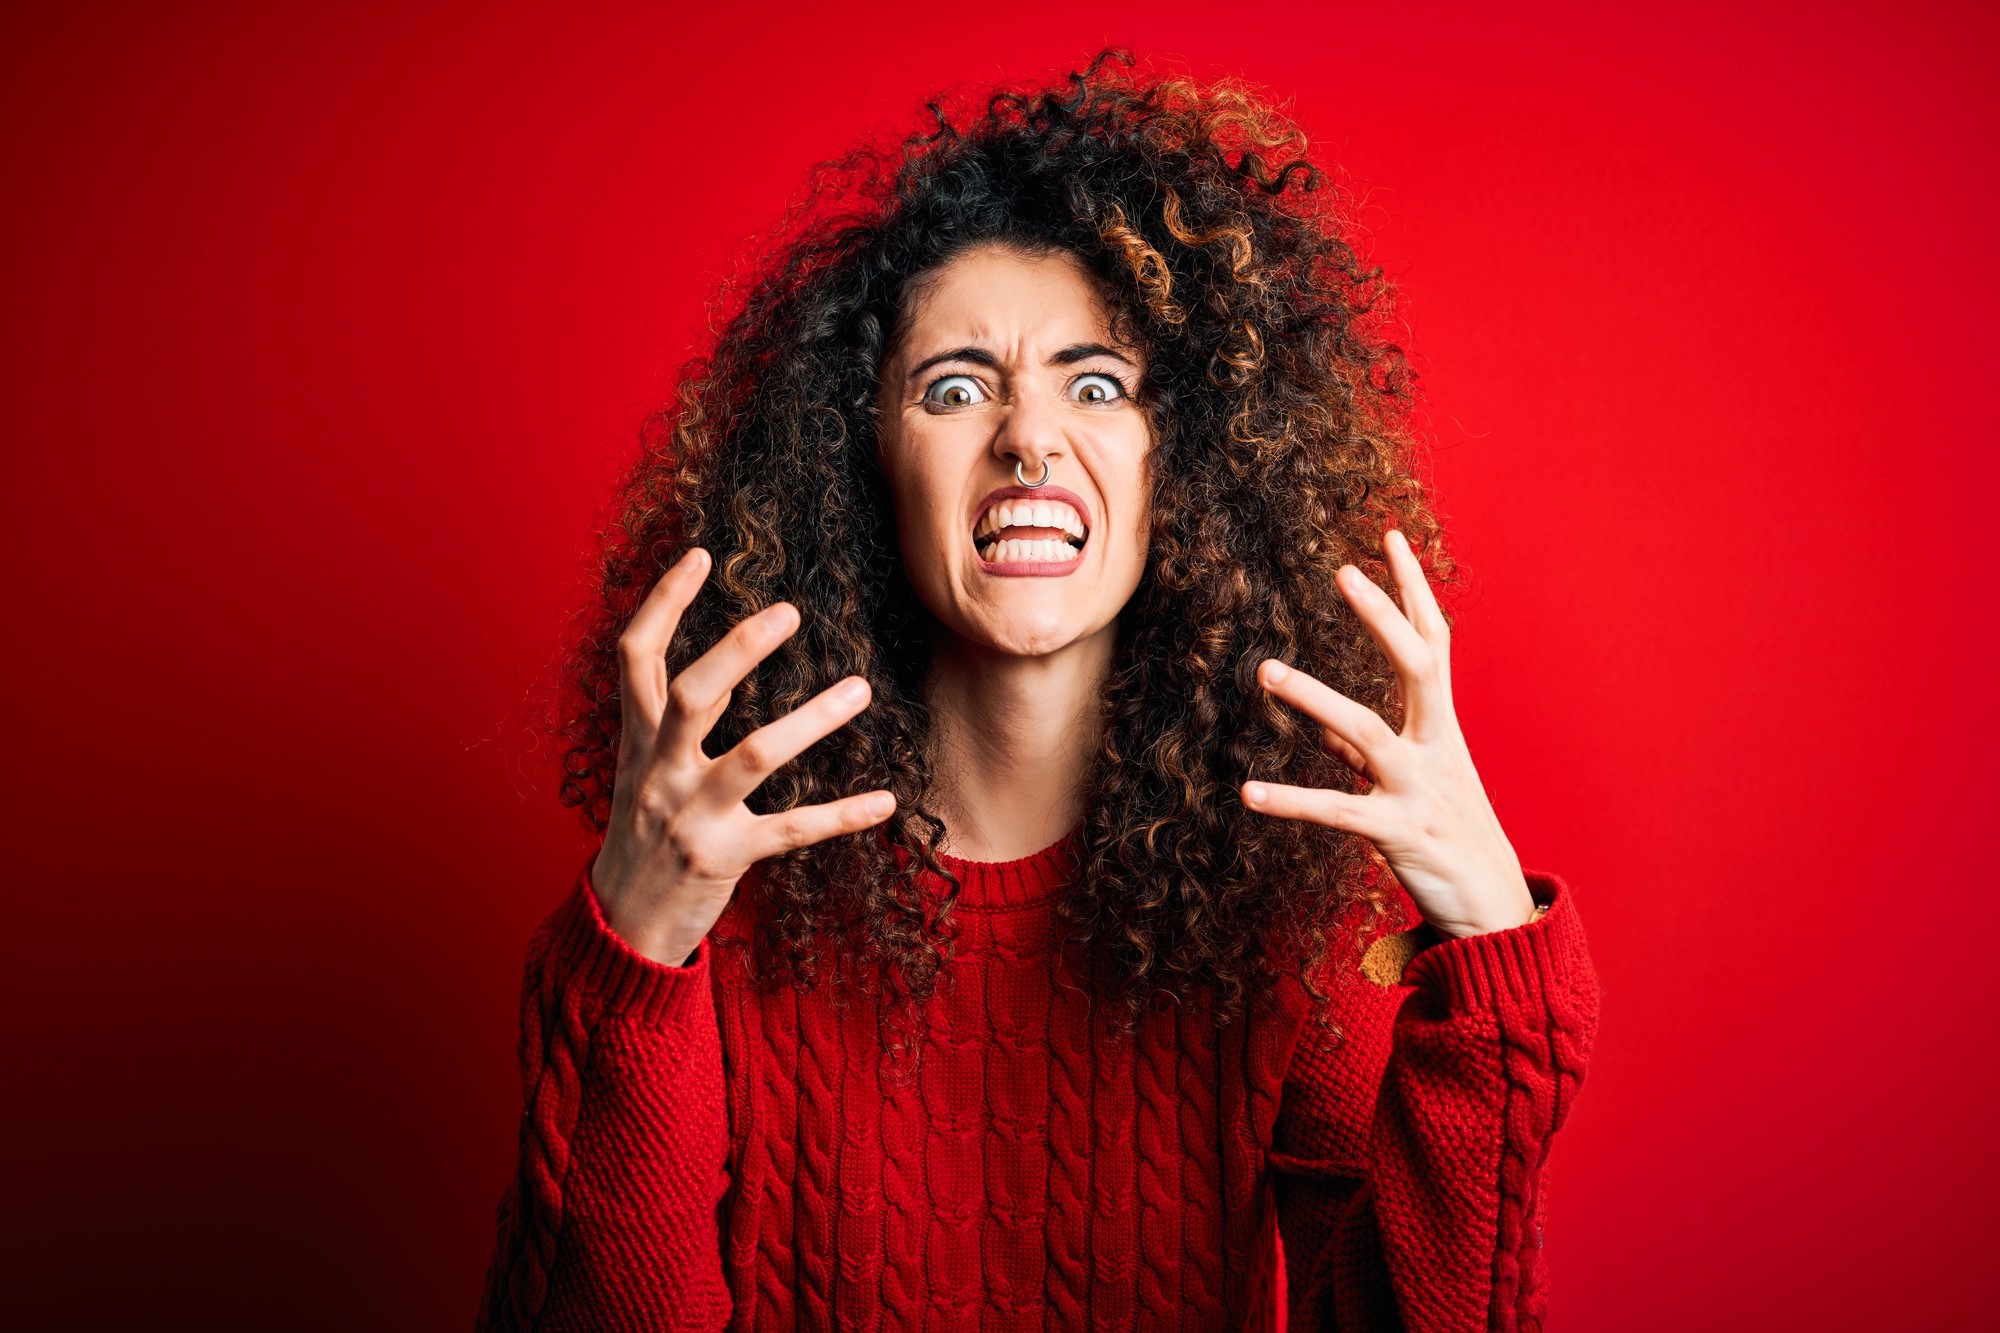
point(664, 928)
point(665, 946)
point(673, 955)
point(1524, 914)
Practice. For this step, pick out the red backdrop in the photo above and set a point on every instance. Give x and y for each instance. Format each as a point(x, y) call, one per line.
point(325, 333)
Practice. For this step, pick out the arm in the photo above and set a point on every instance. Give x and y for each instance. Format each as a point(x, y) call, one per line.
point(1408, 1157)
point(612, 1221)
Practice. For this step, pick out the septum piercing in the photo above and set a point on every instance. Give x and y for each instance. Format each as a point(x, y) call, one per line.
point(1033, 485)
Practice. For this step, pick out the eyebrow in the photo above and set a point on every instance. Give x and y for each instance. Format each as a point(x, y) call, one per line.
point(979, 356)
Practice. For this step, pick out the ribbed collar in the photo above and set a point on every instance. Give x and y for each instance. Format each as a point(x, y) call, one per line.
point(1000, 886)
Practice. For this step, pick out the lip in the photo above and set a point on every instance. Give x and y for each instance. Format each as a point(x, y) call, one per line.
point(1044, 569)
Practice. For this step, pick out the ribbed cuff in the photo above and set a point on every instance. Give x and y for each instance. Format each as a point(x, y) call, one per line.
point(1507, 966)
point(617, 979)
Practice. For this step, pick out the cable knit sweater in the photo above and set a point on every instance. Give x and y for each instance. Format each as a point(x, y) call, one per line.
point(697, 1155)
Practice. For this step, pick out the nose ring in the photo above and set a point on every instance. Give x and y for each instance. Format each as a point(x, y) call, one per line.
point(1032, 485)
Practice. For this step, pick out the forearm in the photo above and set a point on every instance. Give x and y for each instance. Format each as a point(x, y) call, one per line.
point(612, 1219)
point(1424, 1215)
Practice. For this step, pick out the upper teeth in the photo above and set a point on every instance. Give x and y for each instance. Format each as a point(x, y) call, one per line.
point(1030, 514)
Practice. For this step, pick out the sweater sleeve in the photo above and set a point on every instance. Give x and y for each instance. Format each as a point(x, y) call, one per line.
point(613, 1219)
point(1408, 1156)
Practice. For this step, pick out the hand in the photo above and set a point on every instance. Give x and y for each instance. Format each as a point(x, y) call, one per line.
point(1426, 811)
point(680, 836)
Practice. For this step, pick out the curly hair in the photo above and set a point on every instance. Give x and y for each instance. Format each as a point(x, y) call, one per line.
point(1281, 415)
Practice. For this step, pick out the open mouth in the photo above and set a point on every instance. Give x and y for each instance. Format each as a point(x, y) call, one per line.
point(1030, 531)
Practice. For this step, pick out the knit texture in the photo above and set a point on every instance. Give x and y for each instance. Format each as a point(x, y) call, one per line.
point(697, 1155)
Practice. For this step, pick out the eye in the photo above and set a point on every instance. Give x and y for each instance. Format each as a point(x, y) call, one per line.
point(954, 391)
point(1097, 388)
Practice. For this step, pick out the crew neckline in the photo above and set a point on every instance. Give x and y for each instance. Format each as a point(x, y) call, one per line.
point(1029, 881)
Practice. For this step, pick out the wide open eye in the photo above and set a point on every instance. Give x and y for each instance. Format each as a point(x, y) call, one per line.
point(955, 391)
point(1097, 388)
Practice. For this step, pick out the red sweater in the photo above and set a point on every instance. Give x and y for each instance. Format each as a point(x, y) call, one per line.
point(695, 1155)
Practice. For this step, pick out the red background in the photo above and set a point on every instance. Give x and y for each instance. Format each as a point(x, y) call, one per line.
point(324, 334)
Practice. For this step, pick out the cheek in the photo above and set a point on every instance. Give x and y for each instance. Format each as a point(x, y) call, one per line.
point(923, 495)
point(1133, 481)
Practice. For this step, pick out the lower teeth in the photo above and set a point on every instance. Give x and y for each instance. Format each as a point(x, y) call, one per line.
point(1054, 553)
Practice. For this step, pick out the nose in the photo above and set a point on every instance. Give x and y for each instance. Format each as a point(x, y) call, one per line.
point(1030, 434)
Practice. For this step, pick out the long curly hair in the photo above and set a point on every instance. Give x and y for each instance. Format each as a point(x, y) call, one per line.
point(1283, 448)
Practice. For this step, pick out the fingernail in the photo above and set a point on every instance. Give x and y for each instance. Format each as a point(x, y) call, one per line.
point(1253, 793)
point(854, 691)
point(881, 804)
point(1274, 672)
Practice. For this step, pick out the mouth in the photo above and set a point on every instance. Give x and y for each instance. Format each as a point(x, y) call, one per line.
point(1043, 526)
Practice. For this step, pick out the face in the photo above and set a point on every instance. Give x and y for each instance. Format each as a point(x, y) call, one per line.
point(1009, 358)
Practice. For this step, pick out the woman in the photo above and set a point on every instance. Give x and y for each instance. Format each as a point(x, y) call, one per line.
point(990, 924)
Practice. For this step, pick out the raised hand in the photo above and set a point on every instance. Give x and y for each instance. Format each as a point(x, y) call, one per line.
point(1426, 810)
point(680, 836)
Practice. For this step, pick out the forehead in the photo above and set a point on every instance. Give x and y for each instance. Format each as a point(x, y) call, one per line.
point(997, 294)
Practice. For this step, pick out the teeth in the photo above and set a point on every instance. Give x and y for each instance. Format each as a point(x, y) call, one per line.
point(1031, 514)
point(1007, 552)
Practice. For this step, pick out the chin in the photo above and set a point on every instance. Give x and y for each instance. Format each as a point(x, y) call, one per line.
point(1017, 631)
point(1034, 646)
point(1038, 634)
point(1016, 617)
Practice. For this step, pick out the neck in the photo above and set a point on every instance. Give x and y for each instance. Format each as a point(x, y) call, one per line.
point(1013, 740)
